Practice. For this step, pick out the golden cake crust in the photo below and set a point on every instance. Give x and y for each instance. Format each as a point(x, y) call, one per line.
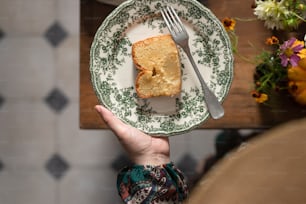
point(158, 62)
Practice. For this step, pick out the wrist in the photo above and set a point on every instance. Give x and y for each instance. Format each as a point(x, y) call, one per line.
point(154, 159)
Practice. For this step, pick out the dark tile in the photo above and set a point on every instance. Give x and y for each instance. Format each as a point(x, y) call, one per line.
point(2, 34)
point(57, 166)
point(187, 164)
point(56, 34)
point(56, 100)
point(226, 141)
point(120, 162)
point(1, 101)
point(1, 165)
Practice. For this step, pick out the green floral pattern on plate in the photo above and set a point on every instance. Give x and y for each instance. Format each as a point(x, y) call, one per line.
point(113, 73)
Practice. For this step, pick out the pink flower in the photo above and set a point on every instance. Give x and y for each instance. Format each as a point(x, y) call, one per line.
point(289, 52)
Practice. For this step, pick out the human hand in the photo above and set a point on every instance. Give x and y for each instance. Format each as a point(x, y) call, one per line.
point(142, 149)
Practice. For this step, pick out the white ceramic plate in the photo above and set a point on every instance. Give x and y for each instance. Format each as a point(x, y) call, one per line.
point(113, 72)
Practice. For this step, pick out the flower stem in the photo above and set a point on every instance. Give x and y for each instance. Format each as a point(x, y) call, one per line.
point(245, 19)
point(299, 17)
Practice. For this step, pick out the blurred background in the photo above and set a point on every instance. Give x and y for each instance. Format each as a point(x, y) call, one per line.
point(44, 156)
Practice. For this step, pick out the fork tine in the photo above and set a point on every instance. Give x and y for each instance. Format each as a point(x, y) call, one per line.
point(177, 21)
point(173, 19)
point(168, 20)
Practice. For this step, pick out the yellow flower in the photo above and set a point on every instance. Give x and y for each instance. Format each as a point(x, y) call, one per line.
point(229, 24)
point(298, 42)
point(302, 53)
point(259, 97)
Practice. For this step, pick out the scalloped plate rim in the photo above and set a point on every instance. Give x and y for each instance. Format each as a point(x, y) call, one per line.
point(160, 132)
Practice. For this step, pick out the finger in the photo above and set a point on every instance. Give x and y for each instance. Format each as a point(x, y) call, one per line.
point(125, 133)
point(113, 122)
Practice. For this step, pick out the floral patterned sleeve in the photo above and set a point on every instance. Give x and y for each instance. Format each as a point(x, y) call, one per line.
point(152, 184)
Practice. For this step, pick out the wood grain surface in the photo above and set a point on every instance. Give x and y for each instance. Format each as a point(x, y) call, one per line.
point(241, 111)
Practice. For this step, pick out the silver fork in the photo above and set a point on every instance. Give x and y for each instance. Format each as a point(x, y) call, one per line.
point(180, 37)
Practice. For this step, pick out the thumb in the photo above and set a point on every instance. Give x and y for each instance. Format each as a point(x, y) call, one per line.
point(116, 125)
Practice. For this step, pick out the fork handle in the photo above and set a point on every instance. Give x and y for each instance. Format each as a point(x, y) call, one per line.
point(213, 105)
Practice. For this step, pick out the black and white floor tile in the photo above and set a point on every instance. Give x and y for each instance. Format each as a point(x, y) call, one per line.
point(44, 156)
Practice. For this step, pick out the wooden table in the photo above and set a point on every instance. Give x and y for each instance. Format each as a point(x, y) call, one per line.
point(241, 111)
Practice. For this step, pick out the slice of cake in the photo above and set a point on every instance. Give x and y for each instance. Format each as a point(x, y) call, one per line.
point(158, 62)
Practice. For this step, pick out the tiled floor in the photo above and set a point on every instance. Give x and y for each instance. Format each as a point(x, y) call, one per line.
point(44, 156)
